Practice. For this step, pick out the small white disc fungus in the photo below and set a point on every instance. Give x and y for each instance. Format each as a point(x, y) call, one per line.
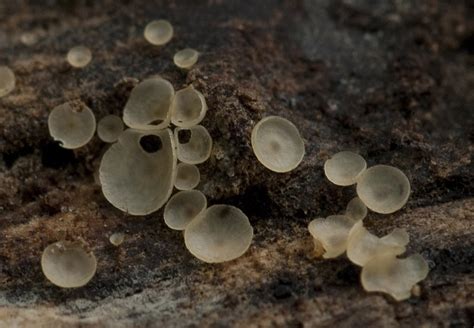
point(394, 276)
point(68, 264)
point(7, 81)
point(79, 56)
point(137, 172)
point(185, 58)
point(356, 209)
point(117, 238)
point(383, 189)
point(109, 128)
point(183, 207)
point(196, 148)
point(222, 233)
point(344, 168)
point(332, 233)
point(187, 176)
point(72, 124)
point(148, 107)
point(277, 144)
point(188, 107)
point(158, 32)
point(362, 246)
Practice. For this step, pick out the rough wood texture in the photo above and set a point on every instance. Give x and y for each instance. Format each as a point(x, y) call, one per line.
point(392, 80)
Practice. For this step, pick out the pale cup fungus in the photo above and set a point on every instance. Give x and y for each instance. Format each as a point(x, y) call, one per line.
point(185, 58)
point(277, 144)
point(183, 207)
point(222, 233)
point(72, 124)
point(196, 148)
point(332, 233)
point(356, 209)
point(109, 128)
point(187, 176)
point(188, 107)
point(158, 32)
point(7, 81)
point(79, 56)
point(117, 238)
point(344, 168)
point(68, 264)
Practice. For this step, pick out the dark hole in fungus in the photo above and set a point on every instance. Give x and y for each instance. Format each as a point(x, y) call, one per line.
point(151, 143)
point(156, 122)
point(184, 136)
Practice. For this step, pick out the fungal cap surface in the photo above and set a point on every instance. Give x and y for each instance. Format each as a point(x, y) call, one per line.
point(72, 124)
point(188, 107)
point(187, 176)
point(222, 233)
point(356, 209)
point(344, 168)
point(117, 238)
point(183, 207)
point(197, 149)
point(277, 144)
point(158, 32)
point(332, 233)
point(185, 58)
point(7, 81)
point(109, 128)
point(394, 276)
point(67, 264)
point(79, 56)
point(383, 189)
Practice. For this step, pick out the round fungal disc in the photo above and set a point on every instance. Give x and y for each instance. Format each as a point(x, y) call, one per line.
point(356, 209)
point(72, 124)
point(188, 108)
point(187, 176)
point(344, 168)
point(68, 264)
point(183, 207)
point(7, 81)
point(185, 58)
point(79, 56)
point(137, 172)
point(332, 233)
point(394, 276)
point(277, 144)
point(222, 233)
point(158, 32)
point(194, 145)
point(148, 107)
point(117, 238)
point(362, 246)
point(109, 128)
point(383, 189)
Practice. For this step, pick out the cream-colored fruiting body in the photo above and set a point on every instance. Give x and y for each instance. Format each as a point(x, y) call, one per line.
point(79, 56)
point(383, 189)
point(158, 32)
point(7, 81)
point(362, 246)
point(148, 107)
point(183, 207)
point(28, 38)
point(117, 238)
point(394, 276)
point(187, 176)
point(72, 124)
point(356, 209)
point(109, 128)
point(332, 233)
point(137, 181)
point(186, 58)
point(344, 168)
point(222, 233)
point(188, 107)
point(277, 144)
point(197, 149)
point(68, 264)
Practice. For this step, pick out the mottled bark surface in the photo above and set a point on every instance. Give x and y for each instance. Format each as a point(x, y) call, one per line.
point(392, 80)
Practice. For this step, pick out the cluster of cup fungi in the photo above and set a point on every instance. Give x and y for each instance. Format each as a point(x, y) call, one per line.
point(159, 151)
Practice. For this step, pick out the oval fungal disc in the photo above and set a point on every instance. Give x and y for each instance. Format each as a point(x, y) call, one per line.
point(277, 144)
point(383, 189)
point(344, 168)
point(194, 145)
point(137, 172)
point(68, 264)
point(183, 207)
point(7, 81)
point(187, 176)
point(332, 233)
point(158, 32)
point(222, 233)
point(188, 107)
point(394, 276)
point(79, 56)
point(72, 124)
point(109, 128)
point(148, 107)
point(185, 58)
point(362, 246)
point(356, 209)
point(117, 238)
